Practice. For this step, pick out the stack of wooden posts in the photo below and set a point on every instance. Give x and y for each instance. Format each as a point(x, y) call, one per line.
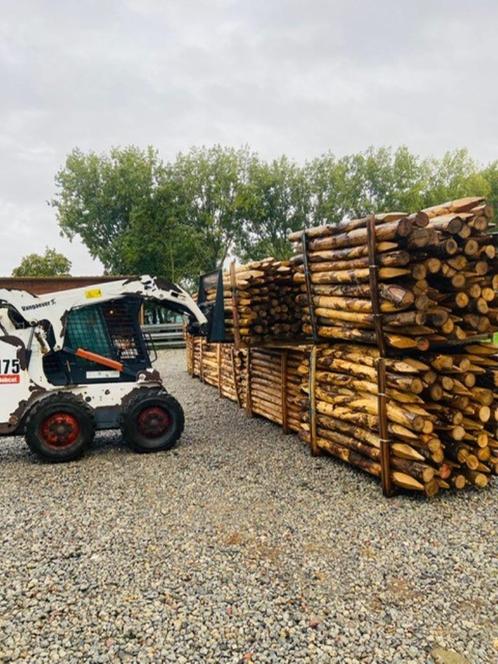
point(192, 354)
point(259, 302)
point(442, 410)
point(263, 381)
point(437, 416)
point(220, 365)
point(395, 382)
point(436, 276)
point(484, 362)
point(273, 384)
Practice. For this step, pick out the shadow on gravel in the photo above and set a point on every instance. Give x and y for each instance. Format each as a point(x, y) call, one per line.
point(13, 450)
point(105, 440)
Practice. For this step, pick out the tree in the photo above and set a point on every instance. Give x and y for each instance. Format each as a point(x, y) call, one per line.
point(49, 264)
point(98, 194)
point(490, 174)
point(158, 242)
point(209, 183)
point(275, 200)
point(372, 181)
point(137, 214)
point(326, 177)
point(455, 175)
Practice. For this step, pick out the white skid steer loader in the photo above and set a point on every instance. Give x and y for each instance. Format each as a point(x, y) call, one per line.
point(76, 360)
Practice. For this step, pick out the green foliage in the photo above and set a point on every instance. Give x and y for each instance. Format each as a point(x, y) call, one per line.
point(49, 264)
point(358, 184)
point(137, 214)
point(490, 174)
point(454, 176)
point(157, 242)
point(97, 195)
point(275, 199)
point(209, 184)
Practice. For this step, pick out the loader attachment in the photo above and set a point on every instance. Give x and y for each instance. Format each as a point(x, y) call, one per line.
point(213, 308)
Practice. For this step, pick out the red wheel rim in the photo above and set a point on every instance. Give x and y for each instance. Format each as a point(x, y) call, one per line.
point(60, 430)
point(153, 421)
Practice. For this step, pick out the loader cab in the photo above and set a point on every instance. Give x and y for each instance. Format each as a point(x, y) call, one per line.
point(110, 330)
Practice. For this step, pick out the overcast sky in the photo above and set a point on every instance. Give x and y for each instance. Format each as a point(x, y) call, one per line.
point(298, 77)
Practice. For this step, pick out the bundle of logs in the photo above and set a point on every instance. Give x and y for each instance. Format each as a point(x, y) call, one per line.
point(484, 363)
point(220, 365)
point(273, 385)
point(264, 381)
point(435, 272)
point(441, 408)
point(424, 286)
point(259, 302)
point(438, 414)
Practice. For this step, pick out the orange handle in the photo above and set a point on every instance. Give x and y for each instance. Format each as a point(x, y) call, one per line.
point(99, 359)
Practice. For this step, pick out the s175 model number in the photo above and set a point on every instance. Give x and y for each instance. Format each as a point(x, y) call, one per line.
point(10, 366)
point(10, 372)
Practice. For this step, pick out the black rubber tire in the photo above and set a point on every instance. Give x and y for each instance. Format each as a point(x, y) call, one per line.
point(51, 405)
point(146, 399)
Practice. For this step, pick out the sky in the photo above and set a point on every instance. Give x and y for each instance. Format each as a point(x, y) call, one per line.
point(299, 77)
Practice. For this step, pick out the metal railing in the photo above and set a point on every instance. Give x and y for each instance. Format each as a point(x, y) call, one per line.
point(166, 335)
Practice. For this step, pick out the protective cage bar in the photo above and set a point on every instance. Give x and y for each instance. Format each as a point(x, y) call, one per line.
point(109, 330)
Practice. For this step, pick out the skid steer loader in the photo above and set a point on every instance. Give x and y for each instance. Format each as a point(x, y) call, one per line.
point(76, 360)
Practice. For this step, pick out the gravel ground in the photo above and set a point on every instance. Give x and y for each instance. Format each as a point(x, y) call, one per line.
point(237, 546)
